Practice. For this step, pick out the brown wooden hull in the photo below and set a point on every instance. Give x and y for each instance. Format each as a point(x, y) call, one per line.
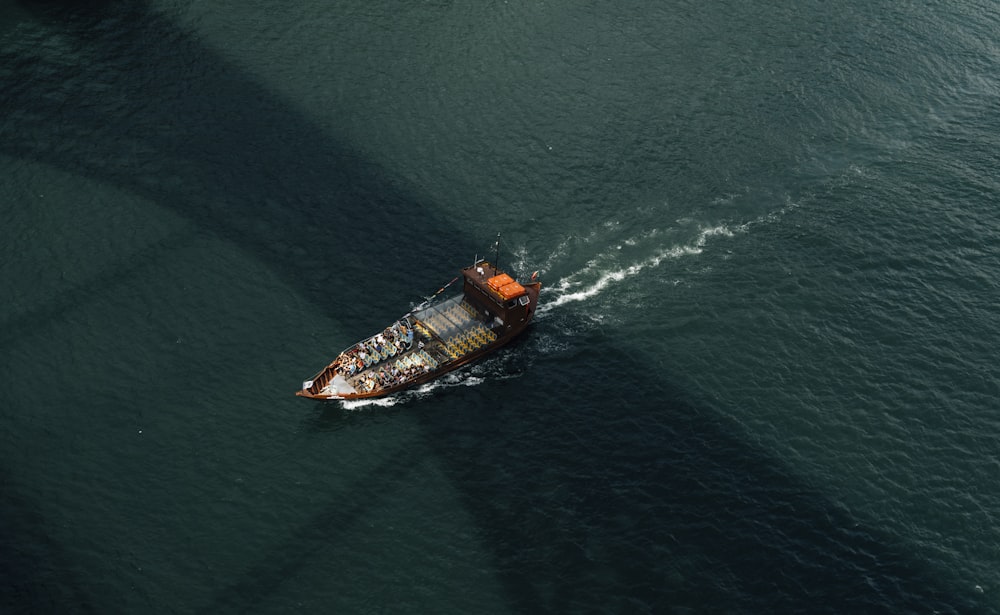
point(503, 324)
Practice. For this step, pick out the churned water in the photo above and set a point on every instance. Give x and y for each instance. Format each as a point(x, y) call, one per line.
point(763, 374)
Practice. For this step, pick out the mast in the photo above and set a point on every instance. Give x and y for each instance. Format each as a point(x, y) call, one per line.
point(496, 261)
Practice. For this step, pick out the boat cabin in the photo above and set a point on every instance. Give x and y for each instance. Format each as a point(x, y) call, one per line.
point(493, 292)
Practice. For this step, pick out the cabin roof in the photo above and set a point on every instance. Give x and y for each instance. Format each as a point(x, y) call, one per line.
point(492, 280)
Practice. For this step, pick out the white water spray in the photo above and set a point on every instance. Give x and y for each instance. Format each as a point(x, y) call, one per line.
point(569, 289)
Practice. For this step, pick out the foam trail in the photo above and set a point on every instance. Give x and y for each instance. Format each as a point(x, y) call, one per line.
point(383, 402)
point(449, 380)
point(563, 291)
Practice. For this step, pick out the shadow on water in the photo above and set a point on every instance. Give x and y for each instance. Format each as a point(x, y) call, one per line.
point(226, 155)
point(652, 505)
point(218, 149)
point(323, 534)
point(37, 575)
point(650, 524)
point(139, 263)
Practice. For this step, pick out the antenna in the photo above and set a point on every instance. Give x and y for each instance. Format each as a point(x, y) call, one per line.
point(496, 261)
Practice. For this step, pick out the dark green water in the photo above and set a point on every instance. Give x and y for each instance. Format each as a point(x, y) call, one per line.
point(762, 379)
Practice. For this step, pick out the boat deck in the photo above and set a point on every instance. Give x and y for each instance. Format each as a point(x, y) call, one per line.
point(457, 326)
point(444, 333)
point(385, 374)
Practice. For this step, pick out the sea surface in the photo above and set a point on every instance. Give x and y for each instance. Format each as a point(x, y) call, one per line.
point(763, 376)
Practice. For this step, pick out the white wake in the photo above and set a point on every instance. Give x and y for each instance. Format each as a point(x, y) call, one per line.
point(574, 288)
point(452, 379)
point(605, 270)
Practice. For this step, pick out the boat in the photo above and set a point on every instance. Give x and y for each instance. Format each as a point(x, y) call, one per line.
point(434, 338)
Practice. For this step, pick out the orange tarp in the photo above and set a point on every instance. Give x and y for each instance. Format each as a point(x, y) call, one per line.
point(499, 281)
point(509, 291)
